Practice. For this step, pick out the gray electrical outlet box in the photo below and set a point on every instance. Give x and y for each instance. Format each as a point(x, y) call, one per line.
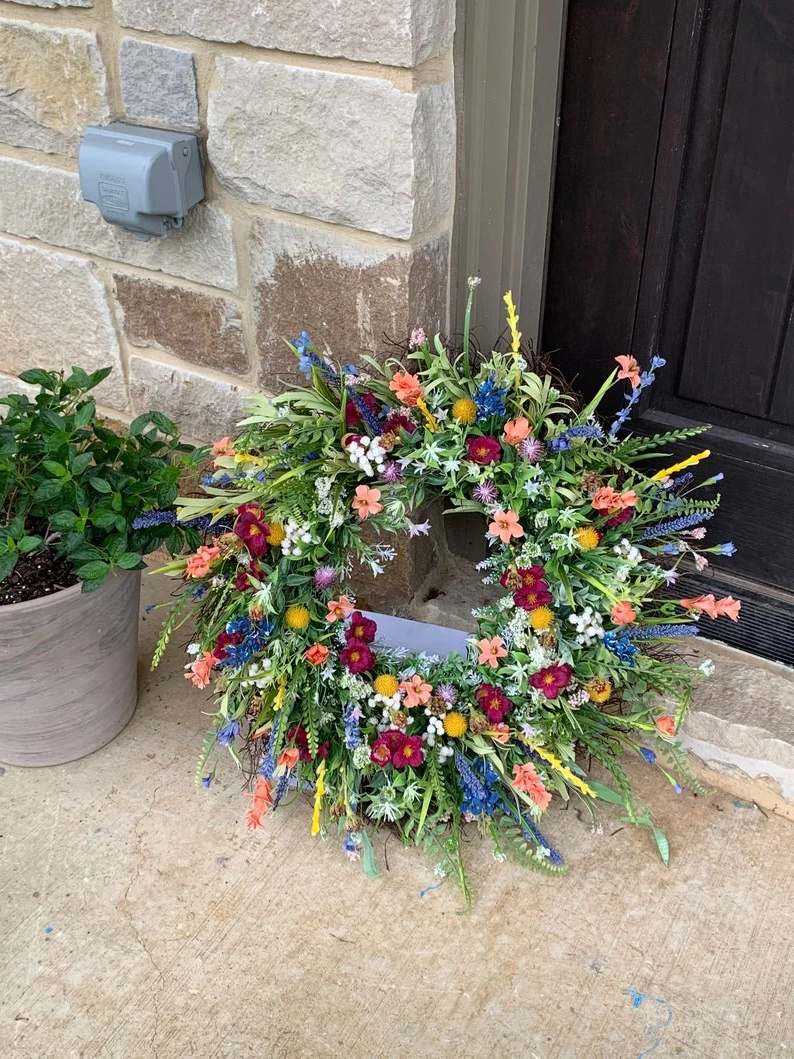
point(144, 180)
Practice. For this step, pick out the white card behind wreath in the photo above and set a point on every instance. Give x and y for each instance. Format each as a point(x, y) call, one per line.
point(417, 636)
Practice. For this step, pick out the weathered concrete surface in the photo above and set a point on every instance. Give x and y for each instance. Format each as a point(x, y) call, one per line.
point(176, 933)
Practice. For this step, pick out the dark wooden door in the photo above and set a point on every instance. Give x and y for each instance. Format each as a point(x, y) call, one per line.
point(673, 233)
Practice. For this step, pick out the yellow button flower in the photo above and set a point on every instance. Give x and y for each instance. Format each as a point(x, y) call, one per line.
point(541, 618)
point(277, 535)
point(455, 725)
point(297, 617)
point(588, 537)
point(386, 685)
point(464, 411)
point(598, 689)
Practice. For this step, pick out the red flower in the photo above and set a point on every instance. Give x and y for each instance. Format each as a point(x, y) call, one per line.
point(361, 628)
point(301, 739)
point(252, 529)
point(528, 575)
point(223, 641)
point(530, 597)
point(241, 582)
point(666, 725)
point(352, 414)
point(386, 745)
point(493, 702)
point(552, 679)
point(626, 515)
point(357, 657)
point(397, 422)
point(409, 753)
point(484, 449)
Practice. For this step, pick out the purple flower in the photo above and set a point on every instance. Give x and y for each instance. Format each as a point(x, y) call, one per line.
point(531, 449)
point(206, 780)
point(648, 754)
point(324, 577)
point(484, 493)
point(671, 576)
point(391, 472)
point(447, 693)
point(418, 338)
point(229, 733)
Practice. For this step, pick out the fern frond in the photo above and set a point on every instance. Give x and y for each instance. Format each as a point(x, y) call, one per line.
point(510, 839)
point(170, 625)
point(210, 739)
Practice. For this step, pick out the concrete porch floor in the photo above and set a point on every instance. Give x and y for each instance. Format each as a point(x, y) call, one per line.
point(140, 919)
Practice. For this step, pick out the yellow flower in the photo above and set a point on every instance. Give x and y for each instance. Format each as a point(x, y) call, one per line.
point(704, 455)
point(455, 725)
point(297, 617)
point(541, 618)
point(512, 323)
point(588, 537)
point(430, 420)
point(464, 410)
point(386, 685)
point(277, 535)
point(319, 794)
point(598, 689)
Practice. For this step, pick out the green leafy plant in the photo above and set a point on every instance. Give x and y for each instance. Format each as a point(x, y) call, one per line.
point(73, 487)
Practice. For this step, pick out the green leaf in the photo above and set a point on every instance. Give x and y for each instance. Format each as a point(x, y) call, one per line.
point(7, 564)
point(38, 377)
point(91, 571)
point(63, 520)
point(78, 380)
point(103, 518)
point(100, 485)
point(85, 414)
point(30, 544)
point(47, 491)
point(606, 793)
point(130, 561)
point(99, 375)
point(80, 462)
point(662, 843)
point(370, 868)
point(55, 468)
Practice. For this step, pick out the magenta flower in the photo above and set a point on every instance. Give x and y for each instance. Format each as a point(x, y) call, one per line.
point(493, 702)
point(324, 578)
point(552, 679)
point(484, 449)
point(357, 657)
point(409, 753)
point(252, 529)
point(529, 597)
point(531, 449)
point(385, 746)
point(361, 628)
point(484, 493)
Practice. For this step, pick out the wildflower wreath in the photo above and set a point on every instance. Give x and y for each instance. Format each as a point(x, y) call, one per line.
point(574, 657)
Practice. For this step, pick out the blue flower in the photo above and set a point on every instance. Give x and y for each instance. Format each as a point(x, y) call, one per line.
point(305, 365)
point(350, 369)
point(261, 476)
point(621, 647)
point(677, 788)
point(206, 780)
point(489, 399)
point(657, 362)
point(198, 592)
point(229, 732)
point(675, 525)
point(478, 782)
point(560, 444)
point(727, 549)
point(648, 754)
point(302, 342)
point(655, 632)
point(352, 733)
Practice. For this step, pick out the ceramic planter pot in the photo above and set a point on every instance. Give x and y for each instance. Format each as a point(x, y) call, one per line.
point(68, 671)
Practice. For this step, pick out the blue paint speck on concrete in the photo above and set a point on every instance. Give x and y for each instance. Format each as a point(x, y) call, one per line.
point(48, 930)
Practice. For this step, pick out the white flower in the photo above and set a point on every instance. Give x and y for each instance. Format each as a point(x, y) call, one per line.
point(707, 667)
point(193, 649)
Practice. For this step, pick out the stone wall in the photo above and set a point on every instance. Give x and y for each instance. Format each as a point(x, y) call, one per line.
point(329, 135)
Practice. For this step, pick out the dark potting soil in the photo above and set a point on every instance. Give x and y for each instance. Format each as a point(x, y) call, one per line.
point(35, 576)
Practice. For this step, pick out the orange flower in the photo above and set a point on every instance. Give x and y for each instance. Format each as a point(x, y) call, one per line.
point(666, 724)
point(491, 651)
point(339, 609)
point(408, 388)
point(365, 502)
point(261, 803)
point(516, 430)
point(198, 565)
point(729, 607)
point(417, 691)
point(317, 654)
point(629, 369)
point(224, 447)
point(289, 757)
point(526, 779)
point(703, 604)
point(505, 525)
point(199, 675)
point(608, 499)
point(623, 613)
point(500, 733)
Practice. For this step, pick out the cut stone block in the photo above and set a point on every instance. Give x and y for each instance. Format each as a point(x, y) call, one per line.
point(40, 202)
point(158, 83)
point(342, 148)
point(54, 313)
point(204, 408)
point(397, 32)
point(55, 3)
point(348, 295)
point(52, 84)
point(197, 327)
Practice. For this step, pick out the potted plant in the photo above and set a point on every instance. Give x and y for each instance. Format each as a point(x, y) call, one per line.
point(71, 489)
